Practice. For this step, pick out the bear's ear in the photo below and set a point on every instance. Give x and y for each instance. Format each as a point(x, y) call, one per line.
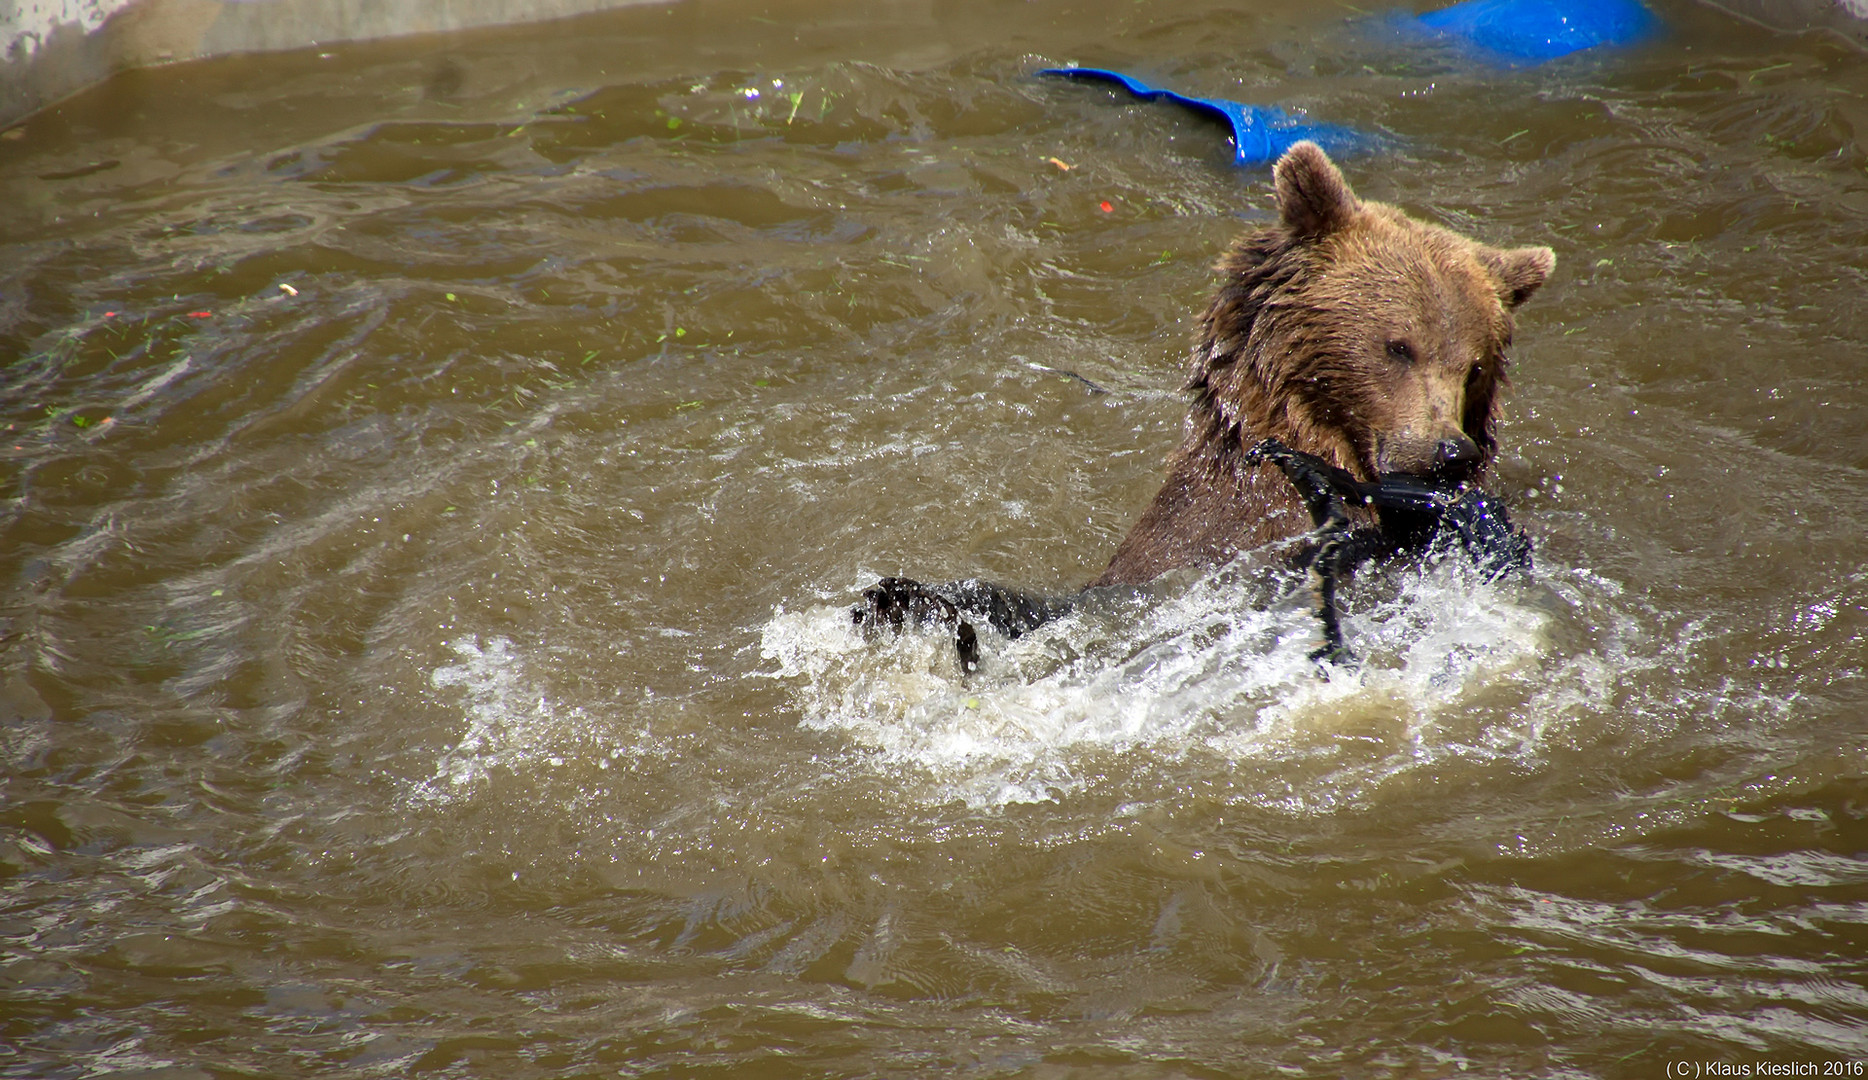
point(1520, 270)
point(1313, 197)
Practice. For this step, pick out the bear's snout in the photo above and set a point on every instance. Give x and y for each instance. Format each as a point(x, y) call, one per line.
point(1449, 458)
point(1457, 458)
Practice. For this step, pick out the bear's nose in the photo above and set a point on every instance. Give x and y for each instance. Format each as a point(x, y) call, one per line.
point(1456, 457)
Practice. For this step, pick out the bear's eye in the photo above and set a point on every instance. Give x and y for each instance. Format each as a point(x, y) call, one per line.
point(1400, 351)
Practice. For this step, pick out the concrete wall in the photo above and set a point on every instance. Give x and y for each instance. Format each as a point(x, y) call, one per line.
point(53, 48)
point(1846, 17)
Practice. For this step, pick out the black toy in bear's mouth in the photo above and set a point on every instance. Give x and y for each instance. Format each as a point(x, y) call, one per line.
point(1433, 507)
point(1426, 492)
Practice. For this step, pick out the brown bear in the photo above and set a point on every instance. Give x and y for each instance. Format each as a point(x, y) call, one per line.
point(1348, 331)
point(1366, 347)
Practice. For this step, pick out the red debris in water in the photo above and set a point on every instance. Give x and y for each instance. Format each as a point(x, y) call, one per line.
point(1108, 207)
point(200, 314)
point(110, 314)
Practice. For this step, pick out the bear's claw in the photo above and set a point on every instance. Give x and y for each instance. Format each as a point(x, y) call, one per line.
point(894, 601)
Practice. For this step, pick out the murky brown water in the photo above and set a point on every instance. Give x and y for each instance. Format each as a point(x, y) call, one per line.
point(443, 670)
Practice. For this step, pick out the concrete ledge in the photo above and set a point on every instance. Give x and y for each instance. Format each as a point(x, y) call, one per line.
point(1848, 18)
point(54, 48)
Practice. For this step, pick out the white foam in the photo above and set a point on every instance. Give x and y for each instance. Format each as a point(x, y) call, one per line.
point(1200, 670)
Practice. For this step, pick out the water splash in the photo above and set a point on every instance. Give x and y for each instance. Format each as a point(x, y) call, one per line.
point(1210, 670)
point(510, 723)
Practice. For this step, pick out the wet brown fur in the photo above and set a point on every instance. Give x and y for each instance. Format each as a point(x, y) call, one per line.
point(1347, 330)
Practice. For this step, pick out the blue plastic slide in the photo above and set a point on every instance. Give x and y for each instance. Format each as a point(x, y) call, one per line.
point(1260, 133)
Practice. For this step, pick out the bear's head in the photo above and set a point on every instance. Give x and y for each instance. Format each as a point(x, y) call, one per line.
point(1359, 334)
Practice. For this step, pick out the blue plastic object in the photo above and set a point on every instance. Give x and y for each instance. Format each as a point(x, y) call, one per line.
point(1260, 134)
point(1534, 31)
